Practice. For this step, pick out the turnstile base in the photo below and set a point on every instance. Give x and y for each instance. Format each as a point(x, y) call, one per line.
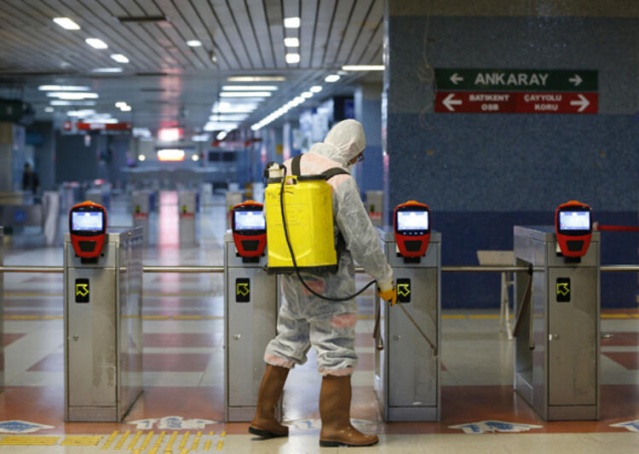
point(572, 413)
point(555, 412)
point(412, 414)
point(99, 414)
point(240, 414)
point(93, 414)
point(524, 389)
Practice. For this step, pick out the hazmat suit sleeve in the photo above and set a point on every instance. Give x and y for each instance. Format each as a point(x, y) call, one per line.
point(361, 237)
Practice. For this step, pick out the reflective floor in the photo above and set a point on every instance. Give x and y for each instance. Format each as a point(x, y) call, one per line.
point(181, 408)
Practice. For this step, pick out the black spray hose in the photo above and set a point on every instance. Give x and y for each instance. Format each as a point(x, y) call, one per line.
point(290, 249)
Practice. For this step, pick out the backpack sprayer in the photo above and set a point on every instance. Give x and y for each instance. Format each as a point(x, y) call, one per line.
point(299, 210)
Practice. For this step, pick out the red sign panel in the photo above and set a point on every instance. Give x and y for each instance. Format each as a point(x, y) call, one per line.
point(516, 102)
point(84, 126)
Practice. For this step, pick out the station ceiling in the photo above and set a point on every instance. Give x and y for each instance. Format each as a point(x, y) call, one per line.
point(167, 82)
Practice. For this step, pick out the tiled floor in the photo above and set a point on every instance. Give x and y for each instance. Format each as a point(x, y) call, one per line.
point(182, 406)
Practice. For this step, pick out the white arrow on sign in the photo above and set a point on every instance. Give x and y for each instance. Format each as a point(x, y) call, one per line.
point(576, 80)
point(582, 102)
point(449, 102)
point(456, 78)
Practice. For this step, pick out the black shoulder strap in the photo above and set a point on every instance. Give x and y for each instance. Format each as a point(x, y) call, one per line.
point(295, 165)
point(330, 173)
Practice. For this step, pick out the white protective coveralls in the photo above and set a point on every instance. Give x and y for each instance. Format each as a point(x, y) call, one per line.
point(305, 319)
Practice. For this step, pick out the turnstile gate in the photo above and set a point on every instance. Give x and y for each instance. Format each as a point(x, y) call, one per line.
point(557, 369)
point(251, 303)
point(407, 369)
point(103, 328)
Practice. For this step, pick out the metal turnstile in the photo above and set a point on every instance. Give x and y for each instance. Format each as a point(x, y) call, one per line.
point(141, 209)
point(187, 215)
point(103, 328)
point(251, 303)
point(557, 369)
point(407, 369)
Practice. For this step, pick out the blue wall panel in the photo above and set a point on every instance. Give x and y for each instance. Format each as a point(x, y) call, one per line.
point(481, 174)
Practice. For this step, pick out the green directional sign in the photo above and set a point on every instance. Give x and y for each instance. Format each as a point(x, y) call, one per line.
point(516, 80)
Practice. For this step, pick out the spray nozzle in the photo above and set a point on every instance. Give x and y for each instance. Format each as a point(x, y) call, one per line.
point(274, 170)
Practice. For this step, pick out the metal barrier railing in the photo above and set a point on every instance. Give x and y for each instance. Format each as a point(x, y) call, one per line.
point(220, 269)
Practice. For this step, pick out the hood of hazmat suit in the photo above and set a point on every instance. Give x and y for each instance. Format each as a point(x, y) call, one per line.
point(342, 143)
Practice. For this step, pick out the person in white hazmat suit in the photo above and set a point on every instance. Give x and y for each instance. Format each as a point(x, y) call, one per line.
point(306, 320)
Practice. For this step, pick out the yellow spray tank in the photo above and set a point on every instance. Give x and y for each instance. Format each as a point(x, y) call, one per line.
point(308, 213)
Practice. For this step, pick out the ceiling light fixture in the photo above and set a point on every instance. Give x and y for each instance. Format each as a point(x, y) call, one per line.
point(236, 107)
point(291, 59)
point(315, 89)
point(194, 43)
point(245, 94)
point(332, 78)
point(106, 70)
point(212, 57)
point(363, 67)
point(292, 22)
point(256, 79)
point(249, 88)
point(59, 102)
point(66, 23)
point(63, 88)
point(72, 95)
point(120, 58)
point(96, 43)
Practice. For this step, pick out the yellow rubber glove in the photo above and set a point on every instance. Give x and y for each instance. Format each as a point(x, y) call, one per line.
point(389, 295)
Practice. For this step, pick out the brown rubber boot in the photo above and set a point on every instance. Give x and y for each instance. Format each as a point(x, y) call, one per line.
point(264, 423)
point(335, 412)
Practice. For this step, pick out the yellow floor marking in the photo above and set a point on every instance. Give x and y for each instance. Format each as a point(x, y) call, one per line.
point(158, 442)
point(169, 446)
point(483, 317)
point(81, 440)
point(147, 440)
point(196, 442)
point(21, 440)
point(187, 317)
point(136, 437)
point(207, 445)
point(185, 437)
point(107, 444)
point(220, 445)
point(615, 316)
point(155, 317)
point(125, 435)
point(454, 317)
point(23, 317)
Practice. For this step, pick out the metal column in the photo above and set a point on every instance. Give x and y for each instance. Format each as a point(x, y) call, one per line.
point(103, 328)
point(251, 303)
point(557, 369)
point(407, 370)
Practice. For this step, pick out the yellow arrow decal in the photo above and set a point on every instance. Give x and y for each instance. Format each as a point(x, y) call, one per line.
point(81, 289)
point(403, 289)
point(242, 288)
point(563, 289)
